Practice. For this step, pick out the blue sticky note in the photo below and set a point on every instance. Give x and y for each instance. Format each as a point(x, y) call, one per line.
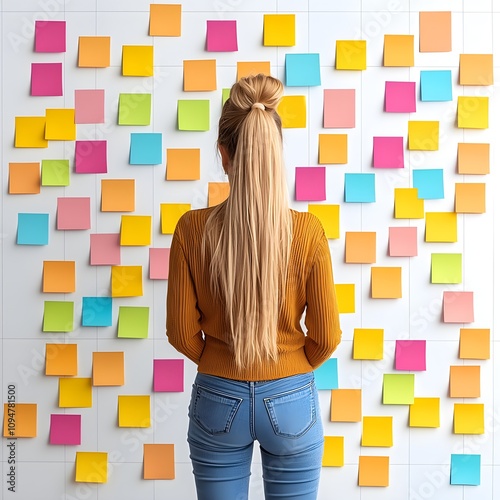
point(466, 470)
point(32, 229)
point(429, 183)
point(359, 188)
point(97, 311)
point(435, 86)
point(145, 149)
point(302, 70)
point(326, 376)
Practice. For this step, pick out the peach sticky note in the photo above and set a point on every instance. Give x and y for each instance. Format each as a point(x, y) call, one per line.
point(30, 132)
point(473, 112)
point(423, 135)
point(425, 412)
point(333, 452)
point(159, 261)
point(75, 392)
point(134, 411)
point(468, 418)
point(350, 54)
point(108, 368)
point(465, 381)
point(117, 195)
point(105, 249)
point(373, 471)
point(159, 461)
point(345, 297)
point(91, 467)
point(94, 51)
point(61, 359)
point(217, 192)
point(441, 227)
point(470, 198)
point(332, 149)
point(73, 213)
point(19, 420)
point(474, 343)
point(339, 108)
point(345, 405)
point(473, 158)
point(170, 214)
point(183, 164)
point(89, 106)
point(126, 281)
point(386, 283)
point(435, 31)
point(59, 276)
point(135, 230)
point(200, 75)
point(137, 60)
point(247, 68)
point(292, 111)
point(368, 343)
point(24, 178)
point(458, 307)
point(377, 431)
point(60, 124)
point(403, 241)
point(398, 50)
point(329, 215)
point(476, 69)
point(279, 30)
point(407, 204)
point(165, 19)
point(360, 247)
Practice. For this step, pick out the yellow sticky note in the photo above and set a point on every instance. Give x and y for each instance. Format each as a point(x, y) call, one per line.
point(134, 411)
point(476, 69)
point(473, 112)
point(360, 247)
point(345, 297)
point(75, 393)
point(425, 412)
point(94, 51)
point(329, 215)
point(135, 230)
point(377, 431)
point(474, 343)
point(61, 359)
point(373, 471)
point(248, 68)
point(279, 30)
point(19, 420)
point(441, 227)
point(117, 195)
point(91, 467)
point(24, 178)
point(170, 214)
point(368, 343)
point(386, 283)
point(30, 132)
point(217, 192)
point(468, 418)
point(292, 111)
point(435, 31)
point(465, 381)
point(60, 124)
point(350, 54)
point(59, 276)
point(332, 149)
point(159, 461)
point(108, 368)
point(165, 19)
point(183, 164)
point(473, 158)
point(333, 451)
point(345, 405)
point(407, 204)
point(137, 60)
point(398, 50)
point(470, 198)
point(423, 135)
point(126, 281)
point(200, 75)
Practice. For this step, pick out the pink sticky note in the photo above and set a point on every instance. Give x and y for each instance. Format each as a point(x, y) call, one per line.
point(458, 307)
point(221, 36)
point(400, 97)
point(105, 250)
point(388, 152)
point(168, 375)
point(339, 108)
point(46, 79)
point(50, 36)
point(410, 355)
point(91, 157)
point(159, 259)
point(89, 106)
point(403, 242)
point(73, 213)
point(310, 183)
point(65, 429)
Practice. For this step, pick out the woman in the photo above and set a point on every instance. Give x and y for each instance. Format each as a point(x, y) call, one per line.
point(241, 275)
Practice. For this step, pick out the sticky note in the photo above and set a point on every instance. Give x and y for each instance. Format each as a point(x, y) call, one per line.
point(159, 461)
point(293, 112)
point(105, 249)
point(159, 259)
point(183, 164)
point(473, 158)
point(19, 420)
point(410, 355)
point(221, 36)
point(465, 381)
point(30, 132)
point(170, 214)
point(435, 86)
point(32, 229)
point(60, 124)
point(248, 68)
point(468, 418)
point(403, 242)
point(465, 469)
point(133, 322)
point(441, 227)
point(373, 471)
point(345, 405)
point(386, 283)
point(58, 276)
point(165, 19)
point(398, 389)
point(476, 69)
point(46, 79)
point(329, 215)
point(350, 54)
point(89, 106)
point(225, 95)
point(108, 369)
point(473, 112)
point(24, 178)
point(302, 70)
point(407, 204)
point(359, 188)
point(388, 152)
point(135, 230)
point(279, 30)
point(326, 375)
point(346, 299)
point(368, 343)
point(377, 431)
point(126, 281)
point(91, 157)
point(333, 451)
point(423, 135)
point(61, 359)
point(217, 192)
point(97, 311)
point(339, 107)
point(50, 36)
point(446, 268)
point(332, 149)
point(425, 412)
point(117, 195)
point(458, 307)
point(57, 316)
point(400, 97)
point(310, 183)
point(146, 148)
point(134, 411)
point(429, 183)
point(137, 60)
point(94, 51)
point(360, 247)
point(55, 172)
point(91, 467)
point(474, 343)
point(435, 31)
point(134, 109)
point(200, 75)
point(75, 392)
point(193, 114)
point(470, 198)
point(65, 429)
point(73, 213)
point(398, 50)
point(168, 375)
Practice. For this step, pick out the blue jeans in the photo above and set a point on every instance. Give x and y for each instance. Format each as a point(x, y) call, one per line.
point(227, 416)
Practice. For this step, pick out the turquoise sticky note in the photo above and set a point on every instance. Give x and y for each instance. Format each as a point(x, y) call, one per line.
point(193, 115)
point(435, 85)
point(429, 183)
point(359, 188)
point(466, 470)
point(326, 376)
point(302, 70)
point(145, 149)
point(97, 311)
point(32, 229)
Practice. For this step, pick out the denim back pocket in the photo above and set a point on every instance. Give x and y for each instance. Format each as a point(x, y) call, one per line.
point(213, 411)
point(292, 413)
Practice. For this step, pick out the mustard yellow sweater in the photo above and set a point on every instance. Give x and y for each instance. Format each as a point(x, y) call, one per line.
point(196, 321)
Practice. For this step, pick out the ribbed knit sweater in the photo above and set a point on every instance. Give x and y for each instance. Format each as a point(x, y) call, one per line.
point(196, 321)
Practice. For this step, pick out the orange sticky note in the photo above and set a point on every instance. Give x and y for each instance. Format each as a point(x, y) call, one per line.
point(137, 60)
point(345, 405)
point(159, 461)
point(360, 247)
point(200, 75)
point(441, 227)
point(468, 418)
point(435, 31)
point(332, 149)
point(386, 283)
point(368, 343)
point(24, 178)
point(465, 381)
point(345, 297)
point(476, 69)
point(470, 198)
point(247, 68)
point(30, 132)
point(94, 51)
point(333, 451)
point(165, 19)
point(474, 343)
point(108, 368)
point(473, 158)
point(59, 276)
point(183, 164)
point(117, 195)
point(19, 420)
point(126, 281)
point(217, 192)
point(398, 50)
point(329, 215)
point(407, 204)
point(61, 359)
point(373, 471)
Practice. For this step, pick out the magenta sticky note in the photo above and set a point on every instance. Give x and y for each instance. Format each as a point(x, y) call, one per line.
point(105, 249)
point(388, 152)
point(91, 157)
point(50, 36)
point(458, 307)
point(73, 213)
point(221, 36)
point(46, 79)
point(89, 106)
point(410, 355)
point(65, 429)
point(159, 259)
point(339, 108)
point(310, 183)
point(168, 375)
point(400, 97)
point(403, 241)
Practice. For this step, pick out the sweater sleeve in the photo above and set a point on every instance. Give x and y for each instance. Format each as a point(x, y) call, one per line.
point(322, 315)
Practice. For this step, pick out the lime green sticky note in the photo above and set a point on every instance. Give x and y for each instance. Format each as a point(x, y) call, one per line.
point(135, 230)
point(329, 215)
point(225, 95)
point(279, 30)
point(58, 316)
point(446, 268)
point(133, 322)
point(398, 389)
point(55, 172)
point(472, 112)
point(193, 114)
point(368, 343)
point(134, 109)
point(350, 54)
point(170, 214)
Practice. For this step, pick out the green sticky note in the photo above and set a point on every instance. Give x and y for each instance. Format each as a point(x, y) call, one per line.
point(55, 172)
point(225, 95)
point(446, 268)
point(398, 389)
point(58, 316)
point(134, 109)
point(193, 114)
point(133, 322)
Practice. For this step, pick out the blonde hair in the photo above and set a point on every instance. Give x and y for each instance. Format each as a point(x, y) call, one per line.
point(249, 235)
